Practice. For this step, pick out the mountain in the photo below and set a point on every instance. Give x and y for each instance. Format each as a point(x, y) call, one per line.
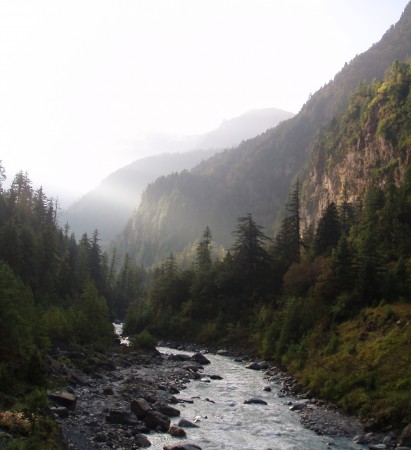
point(255, 177)
point(231, 132)
point(367, 147)
point(111, 203)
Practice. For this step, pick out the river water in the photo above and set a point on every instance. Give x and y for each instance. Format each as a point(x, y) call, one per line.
point(225, 422)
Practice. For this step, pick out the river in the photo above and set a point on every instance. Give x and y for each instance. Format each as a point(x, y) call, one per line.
point(225, 422)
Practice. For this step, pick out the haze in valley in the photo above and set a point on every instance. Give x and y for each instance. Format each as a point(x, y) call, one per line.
point(83, 83)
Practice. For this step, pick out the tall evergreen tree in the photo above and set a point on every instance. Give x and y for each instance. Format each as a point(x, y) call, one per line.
point(203, 252)
point(328, 230)
point(288, 241)
point(249, 250)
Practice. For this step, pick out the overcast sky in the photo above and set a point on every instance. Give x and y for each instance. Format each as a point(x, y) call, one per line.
point(81, 79)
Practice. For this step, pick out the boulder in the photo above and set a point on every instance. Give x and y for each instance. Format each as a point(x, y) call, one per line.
point(181, 400)
point(140, 408)
point(186, 424)
point(405, 438)
point(298, 406)
point(121, 417)
point(200, 358)
point(257, 365)
point(216, 377)
point(167, 410)
point(255, 401)
point(187, 446)
point(141, 441)
point(177, 431)
point(155, 420)
point(63, 398)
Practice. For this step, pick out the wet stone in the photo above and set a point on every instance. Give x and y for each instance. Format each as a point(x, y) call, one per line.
point(255, 401)
point(186, 424)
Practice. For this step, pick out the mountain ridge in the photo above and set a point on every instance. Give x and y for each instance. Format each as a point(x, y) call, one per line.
point(255, 177)
point(111, 203)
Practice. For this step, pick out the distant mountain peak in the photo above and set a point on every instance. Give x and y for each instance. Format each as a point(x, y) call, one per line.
point(109, 206)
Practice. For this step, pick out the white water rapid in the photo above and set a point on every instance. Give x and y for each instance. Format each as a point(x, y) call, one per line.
point(225, 422)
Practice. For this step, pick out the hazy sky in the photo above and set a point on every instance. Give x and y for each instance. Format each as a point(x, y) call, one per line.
point(80, 79)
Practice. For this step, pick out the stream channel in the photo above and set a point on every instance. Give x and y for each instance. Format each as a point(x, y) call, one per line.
point(225, 422)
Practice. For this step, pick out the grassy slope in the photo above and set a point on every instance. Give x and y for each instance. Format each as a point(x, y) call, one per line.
point(364, 364)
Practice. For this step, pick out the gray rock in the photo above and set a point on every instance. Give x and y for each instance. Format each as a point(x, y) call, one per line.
point(155, 420)
point(141, 441)
point(167, 410)
point(187, 446)
point(177, 431)
point(255, 401)
point(121, 418)
point(140, 408)
point(253, 366)
point(298, 406)
point(200, 358)
point(260, 365)
point(186, 424)
point(181, 400)
point(63, 398)
point(216, 377)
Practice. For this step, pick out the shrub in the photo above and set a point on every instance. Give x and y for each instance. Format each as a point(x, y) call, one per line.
point(144, 341)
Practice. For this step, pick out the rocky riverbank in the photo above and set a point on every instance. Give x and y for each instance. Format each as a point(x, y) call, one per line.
point(120, 400)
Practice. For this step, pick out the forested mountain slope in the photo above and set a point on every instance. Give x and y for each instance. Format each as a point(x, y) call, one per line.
point(109, 206)
point(255, 177)
point(333, 303)
point(368, 146)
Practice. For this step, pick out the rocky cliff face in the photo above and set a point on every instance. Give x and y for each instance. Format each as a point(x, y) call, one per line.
point(368, 146)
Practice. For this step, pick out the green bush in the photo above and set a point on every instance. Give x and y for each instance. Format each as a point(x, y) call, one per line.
point(144, 341)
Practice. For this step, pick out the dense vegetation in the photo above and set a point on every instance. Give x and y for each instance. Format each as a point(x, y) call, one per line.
point(331, 303)
point(54, 292)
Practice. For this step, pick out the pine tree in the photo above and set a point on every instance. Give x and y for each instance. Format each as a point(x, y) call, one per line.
point(203, 261)
point(288, 241)
point(249, 250)
point(328, 230)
